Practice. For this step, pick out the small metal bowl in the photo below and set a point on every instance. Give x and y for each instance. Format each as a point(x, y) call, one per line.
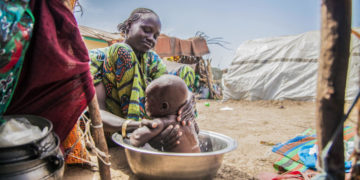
point(149, 164)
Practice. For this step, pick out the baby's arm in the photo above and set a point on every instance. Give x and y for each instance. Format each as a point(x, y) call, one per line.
point(142, 135)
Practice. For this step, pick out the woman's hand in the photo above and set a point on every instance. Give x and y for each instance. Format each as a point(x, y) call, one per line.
point(169, 137)
point(149, 123)
point(186, 114)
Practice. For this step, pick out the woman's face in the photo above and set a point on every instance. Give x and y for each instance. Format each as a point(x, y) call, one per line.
point(143, 33)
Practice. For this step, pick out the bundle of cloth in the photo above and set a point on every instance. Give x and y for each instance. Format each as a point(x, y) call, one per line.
point(300, 152)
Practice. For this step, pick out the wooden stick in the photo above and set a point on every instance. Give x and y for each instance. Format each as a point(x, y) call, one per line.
point(211, 78)
point(99, 138)
point(98, 132)
point(208, 79)
point(333, 64)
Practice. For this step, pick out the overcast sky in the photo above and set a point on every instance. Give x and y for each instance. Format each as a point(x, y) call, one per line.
point(233, 20)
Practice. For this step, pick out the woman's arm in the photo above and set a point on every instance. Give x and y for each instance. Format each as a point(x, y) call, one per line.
point(100, 94)
point(113, 123)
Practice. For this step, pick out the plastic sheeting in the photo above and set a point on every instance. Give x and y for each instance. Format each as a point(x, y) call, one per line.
point(282, 68)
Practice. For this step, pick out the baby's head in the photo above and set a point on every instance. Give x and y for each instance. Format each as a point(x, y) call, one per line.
point(165, 95)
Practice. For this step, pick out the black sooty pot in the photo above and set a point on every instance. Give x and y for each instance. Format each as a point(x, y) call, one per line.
point(39, 159)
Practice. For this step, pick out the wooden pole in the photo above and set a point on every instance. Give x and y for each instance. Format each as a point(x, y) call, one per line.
point(208, 79)
point(97, 132)
point(99, 138)
point(211, 82)
point(333, 64)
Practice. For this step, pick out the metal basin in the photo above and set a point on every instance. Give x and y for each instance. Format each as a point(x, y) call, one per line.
point(149, 164)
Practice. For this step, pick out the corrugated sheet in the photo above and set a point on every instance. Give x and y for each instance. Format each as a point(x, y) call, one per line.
point(100, 34)
point(171, 46)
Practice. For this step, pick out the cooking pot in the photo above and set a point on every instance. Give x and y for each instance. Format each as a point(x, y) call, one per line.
point(38, 159)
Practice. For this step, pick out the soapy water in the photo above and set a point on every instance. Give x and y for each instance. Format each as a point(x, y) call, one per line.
point(205, 145)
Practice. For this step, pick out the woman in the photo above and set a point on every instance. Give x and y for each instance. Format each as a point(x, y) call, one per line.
point(122, 72)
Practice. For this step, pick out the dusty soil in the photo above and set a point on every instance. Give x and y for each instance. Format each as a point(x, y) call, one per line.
point(255, 125)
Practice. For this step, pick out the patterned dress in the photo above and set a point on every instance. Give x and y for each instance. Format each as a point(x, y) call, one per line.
point(125, 78)
point(16, 28)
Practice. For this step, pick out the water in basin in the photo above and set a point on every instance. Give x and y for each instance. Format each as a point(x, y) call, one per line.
point(207, 144)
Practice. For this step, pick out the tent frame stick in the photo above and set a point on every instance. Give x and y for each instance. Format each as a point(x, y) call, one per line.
point(332, 70)
point(99, 138)
point(207, 65)
point(97, 133)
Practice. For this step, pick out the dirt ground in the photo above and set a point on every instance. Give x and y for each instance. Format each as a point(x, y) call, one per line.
point(255, 125)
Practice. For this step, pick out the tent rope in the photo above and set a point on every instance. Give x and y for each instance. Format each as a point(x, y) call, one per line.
point(89, 141)
point(100, 154)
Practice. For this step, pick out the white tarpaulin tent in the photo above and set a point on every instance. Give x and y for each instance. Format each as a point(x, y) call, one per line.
point(282, 68)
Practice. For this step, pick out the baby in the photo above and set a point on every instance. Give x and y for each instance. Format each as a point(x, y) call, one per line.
point(165, 96)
